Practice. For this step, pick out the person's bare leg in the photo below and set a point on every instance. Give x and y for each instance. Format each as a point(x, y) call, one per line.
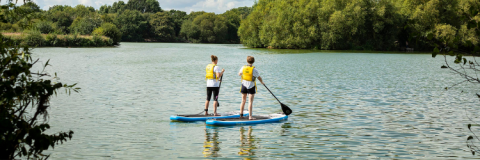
point(215, 103)
point(206, 107)
point(242, 105)
point(250, 104)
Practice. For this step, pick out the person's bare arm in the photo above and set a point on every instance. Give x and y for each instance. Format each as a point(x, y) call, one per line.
point(260, 79)
point(219, 74)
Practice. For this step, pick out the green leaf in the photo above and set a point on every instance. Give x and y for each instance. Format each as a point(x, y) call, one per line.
point(464, 61)
point(435, 52)
point(430, 36)
point(451, 53)
point(457, 61)
point(46, 64)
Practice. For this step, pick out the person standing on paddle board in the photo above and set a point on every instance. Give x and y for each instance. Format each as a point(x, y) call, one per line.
point(213, 73)
point(249, 74)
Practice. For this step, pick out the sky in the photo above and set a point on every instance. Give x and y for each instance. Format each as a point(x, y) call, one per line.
point(217, 6)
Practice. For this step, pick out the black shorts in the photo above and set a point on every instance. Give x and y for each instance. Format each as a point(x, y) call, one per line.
point(215, 93)
point(248, 91)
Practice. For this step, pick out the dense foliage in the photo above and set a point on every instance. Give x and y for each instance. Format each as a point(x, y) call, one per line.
point(25, 96)
point(347, 24)
point(135, 21)
point(453, 28)
point(205, 28)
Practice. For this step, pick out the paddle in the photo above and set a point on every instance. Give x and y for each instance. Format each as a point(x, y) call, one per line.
point(285, 108)
point(220, 85)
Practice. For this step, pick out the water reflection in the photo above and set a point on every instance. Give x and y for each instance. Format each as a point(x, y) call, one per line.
point(211, 145)
point(351, 106)
point(247, 143)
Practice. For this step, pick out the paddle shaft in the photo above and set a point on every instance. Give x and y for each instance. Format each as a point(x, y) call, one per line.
point(272, 94)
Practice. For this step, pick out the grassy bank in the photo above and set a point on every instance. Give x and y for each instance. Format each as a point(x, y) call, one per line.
point(36, 39)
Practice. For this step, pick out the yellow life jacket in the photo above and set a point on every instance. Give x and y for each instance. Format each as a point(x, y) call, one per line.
point(210, 73)
point(247, 73)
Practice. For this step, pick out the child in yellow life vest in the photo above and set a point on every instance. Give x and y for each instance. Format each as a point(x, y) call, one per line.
point(213, 73)
point(249, 74)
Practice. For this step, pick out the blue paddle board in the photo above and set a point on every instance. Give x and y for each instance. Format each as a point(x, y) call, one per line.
point(200, 117)
point(271, 118)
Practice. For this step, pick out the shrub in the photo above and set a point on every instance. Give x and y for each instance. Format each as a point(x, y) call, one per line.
point(109, 30)
point(5, 26)
point(110, 42)
point(98, 41)
point(16, 28)
point(85, 25)
point(44, 27)
point(34, 38)
point(49, 39)
point(61, 41)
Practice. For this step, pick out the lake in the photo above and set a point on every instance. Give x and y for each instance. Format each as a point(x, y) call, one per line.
point(345, 104)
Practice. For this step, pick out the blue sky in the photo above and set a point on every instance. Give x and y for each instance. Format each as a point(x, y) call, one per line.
point(217, 6)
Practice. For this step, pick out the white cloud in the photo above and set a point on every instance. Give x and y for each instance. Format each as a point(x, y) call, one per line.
point(230, 5)
point(218, 6)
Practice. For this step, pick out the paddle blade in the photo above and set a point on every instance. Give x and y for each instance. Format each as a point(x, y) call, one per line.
point(286, 109)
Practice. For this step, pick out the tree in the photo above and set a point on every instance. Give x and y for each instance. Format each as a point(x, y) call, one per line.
point(162, 26)
point(83, 11)
point(85, 25)
point(144, 6)
point(190, 31)
point(234, 17)
point(206, 28)
point(456, 35)
point(117, 7)
point(104, 9)
point(31, 7)
point(44, 27)
point(24, 101)
point(62, 21)
point(177, 17)
point(132, 24)
point(109, 30)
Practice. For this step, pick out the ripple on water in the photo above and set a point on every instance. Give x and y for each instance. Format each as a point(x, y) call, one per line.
point(346, 105)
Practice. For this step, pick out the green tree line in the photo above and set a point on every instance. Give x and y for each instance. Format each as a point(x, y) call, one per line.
point(131, 21)
point(356, 24)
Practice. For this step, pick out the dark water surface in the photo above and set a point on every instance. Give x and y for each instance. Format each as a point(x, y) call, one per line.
point(345, 105)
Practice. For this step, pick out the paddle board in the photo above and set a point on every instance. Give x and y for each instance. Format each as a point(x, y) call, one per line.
point(271, 118)
point(202, 117)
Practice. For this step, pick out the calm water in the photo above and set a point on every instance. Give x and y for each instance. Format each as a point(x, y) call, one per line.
point(345, 105)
